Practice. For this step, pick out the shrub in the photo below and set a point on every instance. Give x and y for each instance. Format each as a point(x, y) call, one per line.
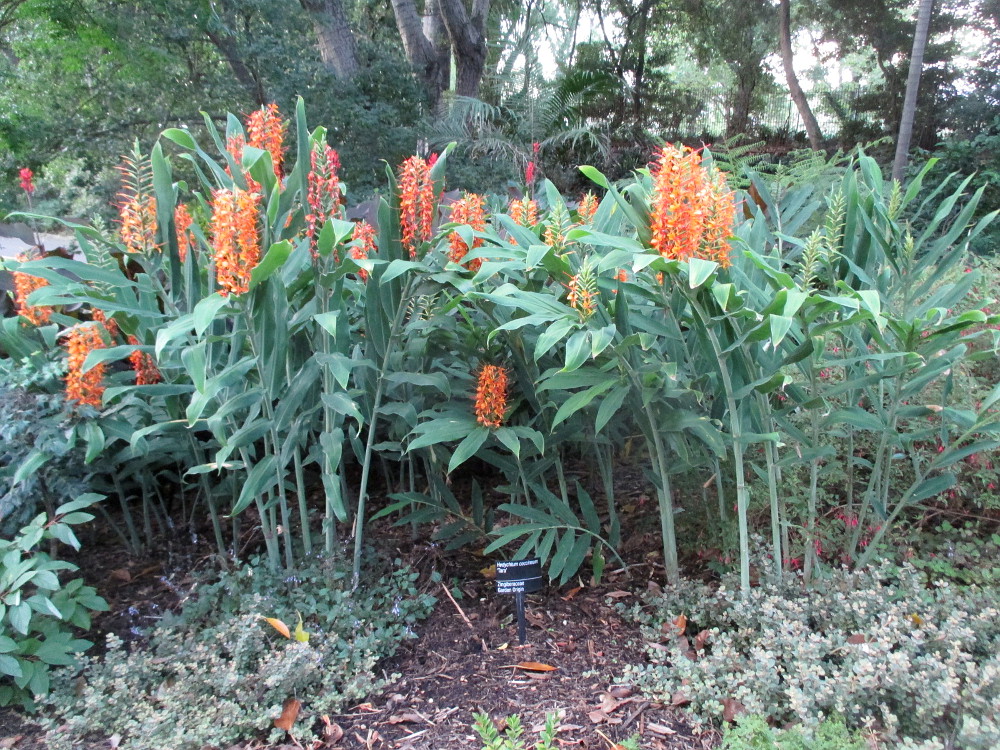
point(876, 647)
point(39, 613)
point(219, 671)
point(754, 733)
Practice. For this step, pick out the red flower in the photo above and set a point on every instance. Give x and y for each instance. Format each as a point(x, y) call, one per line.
point(416, 203)
point(25, 284)
point(364, 235)
point(266, 130)
point(324, 194)
point(27, 180)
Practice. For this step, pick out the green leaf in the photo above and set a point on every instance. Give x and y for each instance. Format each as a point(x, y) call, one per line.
point(35, 460)
point(181, 137)
point(204, 313)
point(779, 327)
point(275, 257)
point(261, 478)
point(579, 400)
point(699, 271)
point(468, 447)
point(931, 487)
point(19, 616)
point(10, 666)
point(441, 430)
point(577, 351)
point(609, 406)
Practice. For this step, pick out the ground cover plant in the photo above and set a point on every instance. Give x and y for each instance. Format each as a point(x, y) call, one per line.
point(780, 358)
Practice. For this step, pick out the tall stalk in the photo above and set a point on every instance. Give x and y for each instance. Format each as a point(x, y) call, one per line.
point(359, 520)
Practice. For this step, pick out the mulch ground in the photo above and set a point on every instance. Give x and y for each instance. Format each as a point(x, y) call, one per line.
point(466, 660)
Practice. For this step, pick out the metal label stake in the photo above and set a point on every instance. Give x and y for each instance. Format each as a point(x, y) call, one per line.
point(519, 577)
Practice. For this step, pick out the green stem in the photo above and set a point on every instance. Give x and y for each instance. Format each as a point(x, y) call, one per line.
point(359, 520)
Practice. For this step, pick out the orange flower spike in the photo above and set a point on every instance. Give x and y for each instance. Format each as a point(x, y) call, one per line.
point(583, 293)
point(235, 146)
point(323, 195)
point(364, 234)
point(137, 216)
point(266, 130)
point(468, 210)
point(110, 325)
point(491, 396)
point(416, 203)
point(84, 387)
point(235, 239)
point(182, 224)
point(25, 284)
point(587, 208)
point(146, 372)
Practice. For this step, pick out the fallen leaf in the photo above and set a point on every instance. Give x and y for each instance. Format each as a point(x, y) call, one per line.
point(278, 625)
point(597, 716)
point(490, 571)
point(609, 704)
point(679, 699)
point(917, 619)
point(620, 691)
point(660, 729)
point(407, 717)
point(114, 740)
point(571, 593)
point(618, 594)
point(700, 640)
point(289, 713)
point(122, 574)
point(856, 639)
point(8, 742)
point(731, 708)
point(300, 634)
point(535, 666)
point(681, 623)
point(331, 730)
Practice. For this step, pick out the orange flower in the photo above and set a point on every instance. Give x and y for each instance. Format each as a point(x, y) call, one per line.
point(467, 210)
point(587, 208)
point(491, 396)
point(110, 325)
point(266, 130)
point(523, 211)
point(364, 235)
point(416, 203)
point(323, 194)
point(84, 387)
point(137, 205)
point(182, 224)
point(25, 284)
point(692, 208)
point(583, 291)
point(235, 241)
point(146, 372)
point(235, 146)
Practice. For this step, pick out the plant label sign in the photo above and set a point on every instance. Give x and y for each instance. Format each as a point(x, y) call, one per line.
point(519, 577)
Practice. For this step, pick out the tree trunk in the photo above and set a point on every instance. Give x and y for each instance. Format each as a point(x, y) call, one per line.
point(638, 91)
point(467, 33)
point(739, 116)
point(334, 37)
point(912, 86)
point(248, 78)
point(425, 44)
point(798, 96)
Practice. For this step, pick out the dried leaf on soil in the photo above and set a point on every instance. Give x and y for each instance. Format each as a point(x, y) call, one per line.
point(534, 666)
point(289, 713)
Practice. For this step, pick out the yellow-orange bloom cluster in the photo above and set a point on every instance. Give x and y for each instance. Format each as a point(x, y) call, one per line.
point(25, 284)
point(587, 208)
point(84, 387)
point(235, 146)
point(266, 130)
point(491, 396)
point(146, 372)
point(692, 208)
point(469, 209)
point(523, 211)
point(364, 235)
point(416, 203)
point(323, 195)
point(582, 288)
point(182, 224)
point(110, 325)
point(235, 239)
point(137, 215)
